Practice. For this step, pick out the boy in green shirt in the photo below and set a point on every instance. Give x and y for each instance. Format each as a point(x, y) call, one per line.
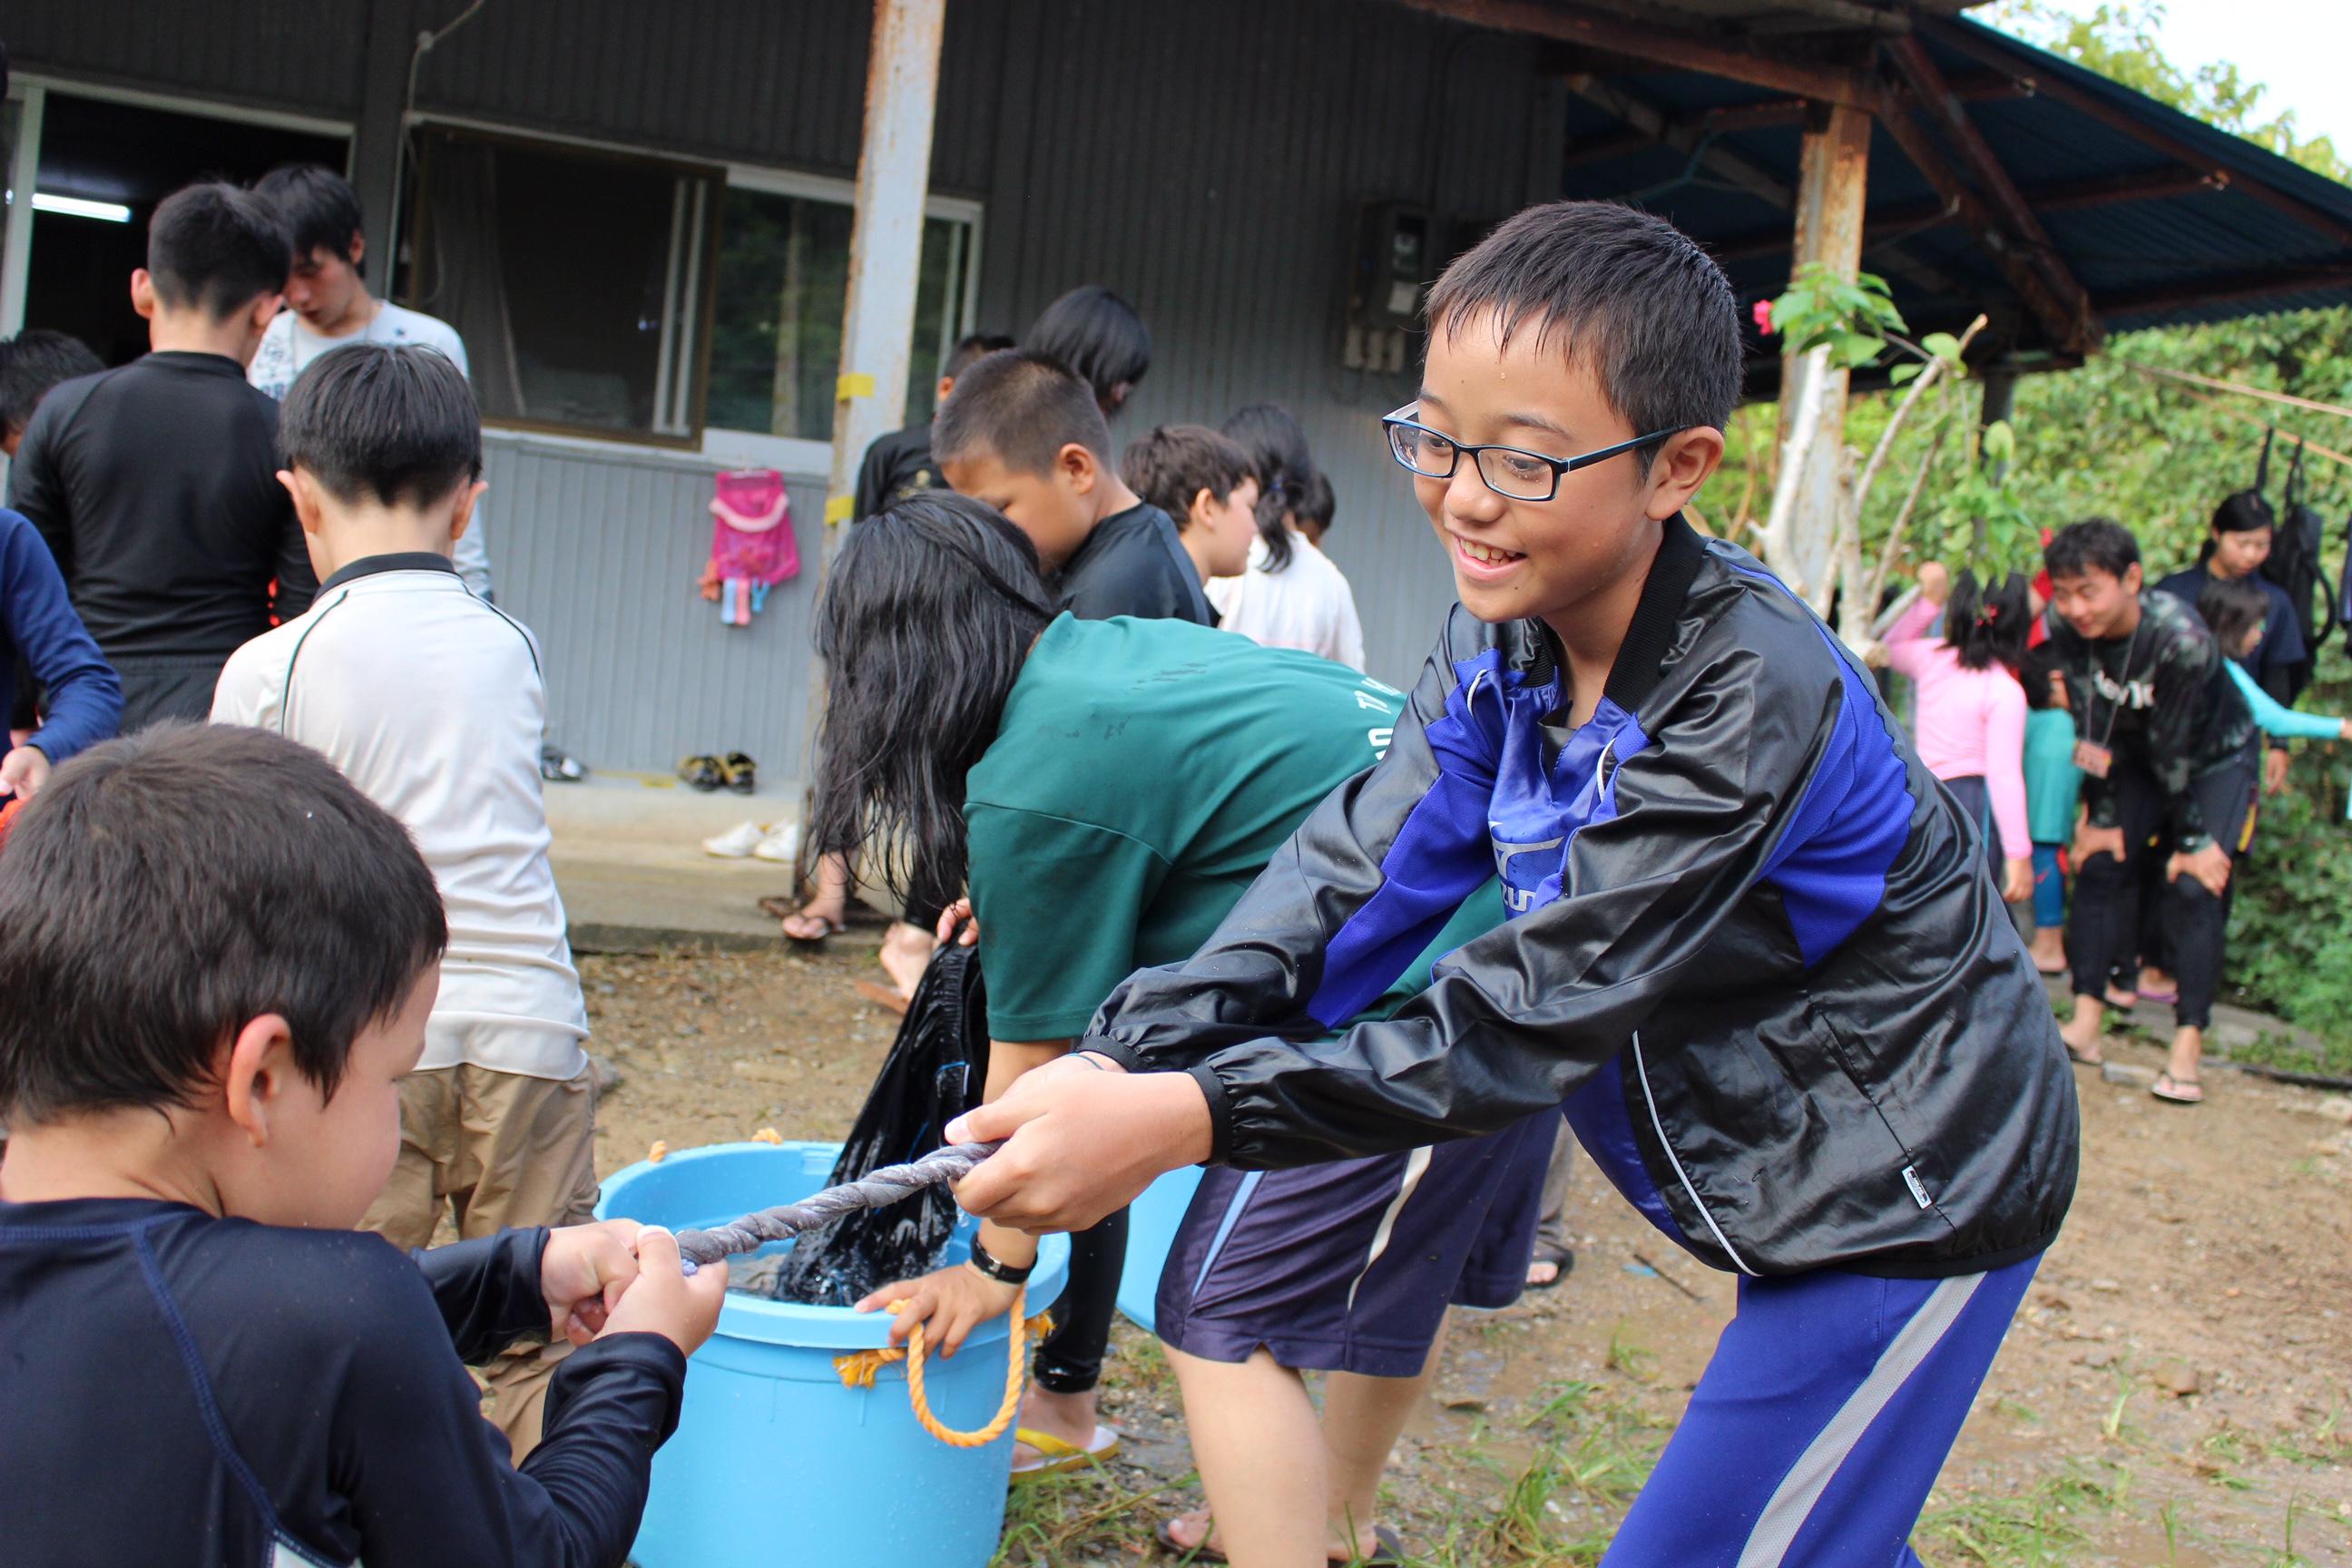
point(1109, 788)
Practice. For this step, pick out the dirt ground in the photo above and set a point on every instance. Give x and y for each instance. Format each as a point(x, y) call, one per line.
point(2177, 1391)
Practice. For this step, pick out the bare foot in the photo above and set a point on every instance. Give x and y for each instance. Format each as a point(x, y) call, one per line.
point(1068, 1416)
point(815, 920)
point(1191, 1532)
point(905, 953)
point(2157, 983)
point(2084, 1033)
point(2048, 951)
point(1543, 1271)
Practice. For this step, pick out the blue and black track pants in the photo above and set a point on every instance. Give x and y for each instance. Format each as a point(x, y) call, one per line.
point(1828, 1408)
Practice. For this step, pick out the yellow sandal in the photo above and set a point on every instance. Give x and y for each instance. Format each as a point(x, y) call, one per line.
point(1055, 1457)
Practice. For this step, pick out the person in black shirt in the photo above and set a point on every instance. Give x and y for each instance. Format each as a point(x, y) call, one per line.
point(155, 485)
point(1099, 336)
point(1023, 433)
point(206, 1365)
point(2243, 528)
point(2167, 756)
point(900, 464)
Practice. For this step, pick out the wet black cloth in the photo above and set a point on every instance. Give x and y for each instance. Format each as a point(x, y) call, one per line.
point(895, 467)
point(188, 1390)
point(1133, 565)
point(155, 486)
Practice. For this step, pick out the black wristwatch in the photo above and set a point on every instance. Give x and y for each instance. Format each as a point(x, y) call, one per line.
point(1002, 1272)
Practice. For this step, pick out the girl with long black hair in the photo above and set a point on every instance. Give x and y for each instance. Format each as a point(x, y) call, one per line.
point(1108, 790)
point(1290, 595)
point(1971, 711)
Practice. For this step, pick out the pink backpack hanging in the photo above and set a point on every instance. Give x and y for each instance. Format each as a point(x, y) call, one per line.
point(752, 546)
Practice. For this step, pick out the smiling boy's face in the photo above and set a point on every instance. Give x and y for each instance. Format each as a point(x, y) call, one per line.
point(1555, 560)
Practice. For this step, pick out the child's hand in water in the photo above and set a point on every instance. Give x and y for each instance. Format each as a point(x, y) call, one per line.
point(582, 1272)
point(665, 1300)
point(948, 1304)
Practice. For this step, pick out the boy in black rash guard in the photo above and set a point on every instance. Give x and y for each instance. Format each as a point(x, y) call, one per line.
point(2166, 754)
point(155, 485)
point(1754, 948)
point(1023, 432)
point(218, 957)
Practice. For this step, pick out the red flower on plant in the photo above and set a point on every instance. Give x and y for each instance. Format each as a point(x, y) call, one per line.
point(1764, 317)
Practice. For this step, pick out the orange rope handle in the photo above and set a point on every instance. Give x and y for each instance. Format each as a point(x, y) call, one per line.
point(858, 1368)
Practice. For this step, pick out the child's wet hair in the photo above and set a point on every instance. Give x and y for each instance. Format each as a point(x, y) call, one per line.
point(1625, 294)
point(2231, 607)
point(167, 888)
point(1022, 407)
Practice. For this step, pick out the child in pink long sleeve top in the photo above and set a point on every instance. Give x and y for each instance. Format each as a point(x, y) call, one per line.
point(1971, 711)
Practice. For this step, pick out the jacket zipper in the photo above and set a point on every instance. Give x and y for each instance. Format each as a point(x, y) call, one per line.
point(1641, 1072)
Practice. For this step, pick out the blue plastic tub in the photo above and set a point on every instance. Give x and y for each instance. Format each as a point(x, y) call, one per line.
point(1151, 1224)
point(775, 1461)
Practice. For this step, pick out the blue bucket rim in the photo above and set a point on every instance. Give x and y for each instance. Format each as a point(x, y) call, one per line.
point(794, 1323)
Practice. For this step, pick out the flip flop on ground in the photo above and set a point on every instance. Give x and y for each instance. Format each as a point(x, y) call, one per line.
point(1388, 1553)
point(1054, 1456)
point(1560, 1260)
point(2177, 1090)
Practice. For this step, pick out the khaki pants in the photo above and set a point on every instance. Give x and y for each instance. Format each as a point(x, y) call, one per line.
point(493, 1150)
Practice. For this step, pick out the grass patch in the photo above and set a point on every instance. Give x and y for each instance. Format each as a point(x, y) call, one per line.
point(1072, 1517)
point(2040, 1529)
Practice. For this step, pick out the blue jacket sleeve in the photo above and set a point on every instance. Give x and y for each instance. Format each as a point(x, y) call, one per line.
point(2280, 724)
point(84, 702)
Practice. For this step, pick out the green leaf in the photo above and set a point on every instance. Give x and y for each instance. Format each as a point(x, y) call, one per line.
point(1910, 371)
point(1943, 346)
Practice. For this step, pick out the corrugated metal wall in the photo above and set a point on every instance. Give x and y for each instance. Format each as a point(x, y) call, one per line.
point(598, 553)
point(1206, 158)
point(275, 54)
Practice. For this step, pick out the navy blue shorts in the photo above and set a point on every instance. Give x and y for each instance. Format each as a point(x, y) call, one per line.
point(1349, 1267)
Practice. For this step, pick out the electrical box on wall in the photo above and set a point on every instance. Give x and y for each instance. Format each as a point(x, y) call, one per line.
point(1396, 250)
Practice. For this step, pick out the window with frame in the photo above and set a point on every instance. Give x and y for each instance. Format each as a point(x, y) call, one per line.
point(604, 293)
point(783, 291)
point(579, 279)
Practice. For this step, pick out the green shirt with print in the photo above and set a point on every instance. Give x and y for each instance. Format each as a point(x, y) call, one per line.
point(1143, 775)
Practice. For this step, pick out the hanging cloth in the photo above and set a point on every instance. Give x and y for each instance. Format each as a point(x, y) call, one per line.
point(752, 543)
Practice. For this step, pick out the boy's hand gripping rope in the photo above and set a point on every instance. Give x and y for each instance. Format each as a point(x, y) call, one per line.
point(888, 1185)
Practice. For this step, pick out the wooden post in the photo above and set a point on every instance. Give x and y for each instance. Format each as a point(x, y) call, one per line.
point(885, 253)
point(1833, 183)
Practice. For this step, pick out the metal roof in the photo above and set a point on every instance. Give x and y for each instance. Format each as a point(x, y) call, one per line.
point(2159, 217)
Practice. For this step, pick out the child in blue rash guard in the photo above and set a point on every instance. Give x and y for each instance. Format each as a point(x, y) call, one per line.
point(1755, 946)
point(218, 957)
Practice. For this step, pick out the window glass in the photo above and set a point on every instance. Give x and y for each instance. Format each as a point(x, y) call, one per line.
point(782, 283)
point(577, 279)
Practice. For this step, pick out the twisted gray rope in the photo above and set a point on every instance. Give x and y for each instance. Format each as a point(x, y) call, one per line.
point(880, 1190)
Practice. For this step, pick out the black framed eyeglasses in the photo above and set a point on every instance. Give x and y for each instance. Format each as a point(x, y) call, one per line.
point(1511, 472)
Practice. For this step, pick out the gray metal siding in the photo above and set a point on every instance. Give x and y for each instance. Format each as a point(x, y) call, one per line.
point(296, 54)
point(598, 554)
point(1207, 161)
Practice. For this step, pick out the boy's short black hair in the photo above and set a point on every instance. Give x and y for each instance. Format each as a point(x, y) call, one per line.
point(167, 888)
point(1316, 503)
point(318, 205)
point(2096, 543)
point(396, 421)
point(1099, 335)
point(2233, 606)
point(1621, 292)
point(32, 362)
point(219, 247)
point(971, 347)
point(1023, 407)
point(1174, 463)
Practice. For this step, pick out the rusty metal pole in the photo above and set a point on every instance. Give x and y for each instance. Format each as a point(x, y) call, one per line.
point(1832, 187)
point(886, 249)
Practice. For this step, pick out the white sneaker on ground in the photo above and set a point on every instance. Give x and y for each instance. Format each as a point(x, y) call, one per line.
point(737, 843)
point(781, 844)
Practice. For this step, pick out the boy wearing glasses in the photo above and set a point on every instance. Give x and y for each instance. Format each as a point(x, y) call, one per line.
point(1754, 948)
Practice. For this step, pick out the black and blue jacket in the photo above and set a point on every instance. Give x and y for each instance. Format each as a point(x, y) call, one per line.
point(1755, 950)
